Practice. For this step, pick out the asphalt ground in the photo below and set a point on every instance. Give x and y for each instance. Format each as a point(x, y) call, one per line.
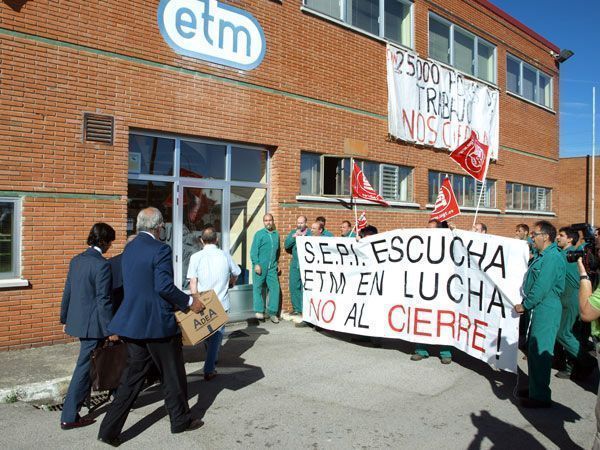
point(285, 387)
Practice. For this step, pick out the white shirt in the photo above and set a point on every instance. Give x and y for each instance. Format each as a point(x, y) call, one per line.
point(213, 267)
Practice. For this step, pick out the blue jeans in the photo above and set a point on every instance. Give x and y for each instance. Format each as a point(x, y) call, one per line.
point(213, 346)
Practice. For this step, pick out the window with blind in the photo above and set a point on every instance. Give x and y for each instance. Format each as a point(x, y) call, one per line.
point(528, 82)
point(466, 189)
point(521, 197)
point(387, 19)
point(467, 52)
point(325, 175)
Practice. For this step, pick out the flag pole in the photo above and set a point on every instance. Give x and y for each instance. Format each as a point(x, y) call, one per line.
point(352, 201)
point(487, 166)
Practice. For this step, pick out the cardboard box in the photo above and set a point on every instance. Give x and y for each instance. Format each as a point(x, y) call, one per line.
point(197, 327)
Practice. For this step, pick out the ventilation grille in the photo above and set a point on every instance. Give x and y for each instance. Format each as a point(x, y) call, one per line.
point(97, 128)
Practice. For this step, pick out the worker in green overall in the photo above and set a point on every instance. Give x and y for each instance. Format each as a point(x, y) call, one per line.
point(566, 239)
point(347, 229)
point(295, 282)
point(326, 232)
point(544, 284)
point(264, 254)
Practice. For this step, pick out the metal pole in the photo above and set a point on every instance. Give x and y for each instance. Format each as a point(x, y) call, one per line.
point(593, 155)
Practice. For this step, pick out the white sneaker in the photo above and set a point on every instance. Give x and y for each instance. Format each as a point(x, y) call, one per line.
point(274, 319)
point(259, 316)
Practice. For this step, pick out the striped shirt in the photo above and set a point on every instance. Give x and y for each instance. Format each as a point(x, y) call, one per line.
point(213, 268)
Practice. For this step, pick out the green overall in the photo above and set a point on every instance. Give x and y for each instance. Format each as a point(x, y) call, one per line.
point(327, 233)
point(295, 281)
point(570, 310)
point(543, 286)
point(265, 253)
point(349, 234)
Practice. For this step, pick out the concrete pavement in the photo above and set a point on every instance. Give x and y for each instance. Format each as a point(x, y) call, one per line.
point(286, 387)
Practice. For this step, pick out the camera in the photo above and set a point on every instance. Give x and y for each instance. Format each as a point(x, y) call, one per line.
point(589, 254)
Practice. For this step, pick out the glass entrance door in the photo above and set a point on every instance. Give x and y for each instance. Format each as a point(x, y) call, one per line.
point(199, 206)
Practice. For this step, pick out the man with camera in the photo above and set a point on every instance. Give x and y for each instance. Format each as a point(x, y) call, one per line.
point(589, 310)
point(566, 239)
point(544, 283)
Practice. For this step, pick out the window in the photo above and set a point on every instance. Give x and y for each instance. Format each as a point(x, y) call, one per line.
point(528, 82)
point(10, 216)
point(453, 45)
point(366, 15)
point(521, 197)
point(394, 183)
point(194, 183)
point(466, 189)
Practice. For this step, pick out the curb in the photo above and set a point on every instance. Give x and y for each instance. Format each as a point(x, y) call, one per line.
point(51, 390)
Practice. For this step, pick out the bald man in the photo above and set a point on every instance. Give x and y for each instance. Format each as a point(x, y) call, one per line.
point(264, 254)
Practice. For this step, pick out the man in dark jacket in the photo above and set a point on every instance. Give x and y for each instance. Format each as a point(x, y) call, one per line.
point(146, 321)
point(85, 312)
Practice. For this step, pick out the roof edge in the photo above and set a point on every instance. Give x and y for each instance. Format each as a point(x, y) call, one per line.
point(520, 25)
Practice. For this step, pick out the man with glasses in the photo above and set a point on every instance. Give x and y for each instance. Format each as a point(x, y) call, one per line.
point(544, 284)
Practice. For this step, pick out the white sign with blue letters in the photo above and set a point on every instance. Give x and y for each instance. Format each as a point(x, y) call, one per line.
point(212, 31)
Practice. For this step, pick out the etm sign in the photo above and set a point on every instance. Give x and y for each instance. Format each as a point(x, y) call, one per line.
point(212, 31)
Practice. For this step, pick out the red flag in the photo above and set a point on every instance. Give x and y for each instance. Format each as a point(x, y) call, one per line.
point(362, 221)
point(361, 187)
point(472, 156)
point(446, 205)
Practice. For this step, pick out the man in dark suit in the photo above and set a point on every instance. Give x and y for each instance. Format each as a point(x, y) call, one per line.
point(146, 321)
point(85, 312)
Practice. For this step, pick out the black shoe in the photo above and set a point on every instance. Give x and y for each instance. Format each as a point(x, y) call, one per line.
point(193, 425)
point(77, 424)
point(113, 442)
point(563, 374)
point(533, 403)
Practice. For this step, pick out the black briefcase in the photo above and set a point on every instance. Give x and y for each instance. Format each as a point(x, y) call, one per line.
point(107, 365)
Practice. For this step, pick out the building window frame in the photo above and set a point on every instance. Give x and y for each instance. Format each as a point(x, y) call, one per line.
point(537, 96)
point(477, 40)
point(464, 182)
point(342, 20)
point(404, 181)
point(177, 180)
point(15, 245)
point(540, 191)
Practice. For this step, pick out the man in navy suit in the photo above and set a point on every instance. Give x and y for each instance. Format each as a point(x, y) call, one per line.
point(146, 321)
point(85, 312)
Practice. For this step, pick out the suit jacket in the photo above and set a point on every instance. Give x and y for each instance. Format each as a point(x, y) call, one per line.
point(150, 296)
point(86, 308)
point(117, 291)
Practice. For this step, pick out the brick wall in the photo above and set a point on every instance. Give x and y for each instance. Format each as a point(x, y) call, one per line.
point(575, 177)
point(61, 59)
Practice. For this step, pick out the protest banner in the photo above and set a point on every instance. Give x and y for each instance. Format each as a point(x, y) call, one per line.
point(432, 286)
point(432, 104)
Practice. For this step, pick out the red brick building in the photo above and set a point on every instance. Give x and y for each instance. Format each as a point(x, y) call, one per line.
point(105, 109)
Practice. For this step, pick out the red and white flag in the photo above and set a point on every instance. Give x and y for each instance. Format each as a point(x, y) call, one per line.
point(361, 187)
point(472, 156)
point(446, 205)
point(361, 222)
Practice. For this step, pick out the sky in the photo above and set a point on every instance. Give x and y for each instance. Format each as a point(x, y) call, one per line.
point(574, 25)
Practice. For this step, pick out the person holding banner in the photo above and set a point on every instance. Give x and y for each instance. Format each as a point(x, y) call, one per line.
point(422, 350)
point(295, 282)
point(323, 221)
point(347, 229)
point(544, 284)
point(264, 254)
point(317, 229)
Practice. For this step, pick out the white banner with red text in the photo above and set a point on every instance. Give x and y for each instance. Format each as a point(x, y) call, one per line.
point(430, 286)
point(432, 104)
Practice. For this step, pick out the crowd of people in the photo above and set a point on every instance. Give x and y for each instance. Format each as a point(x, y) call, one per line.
point(133, 297)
